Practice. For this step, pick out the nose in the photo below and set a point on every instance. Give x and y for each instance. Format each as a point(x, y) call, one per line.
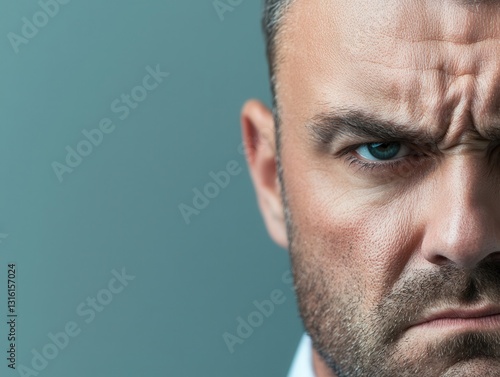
point(462, 214)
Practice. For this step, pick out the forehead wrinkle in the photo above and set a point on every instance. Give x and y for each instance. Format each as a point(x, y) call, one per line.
point(451, 60)
point(447, 21)
point(437, 104)
point(486, 103)
point(432, 27)
point(463, 99)
point(418, 96)
point(319, 62)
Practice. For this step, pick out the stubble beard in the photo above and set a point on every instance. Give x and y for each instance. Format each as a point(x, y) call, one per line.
point(355, 344)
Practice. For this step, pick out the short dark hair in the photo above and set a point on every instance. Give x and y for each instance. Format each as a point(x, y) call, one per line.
point(272, 20)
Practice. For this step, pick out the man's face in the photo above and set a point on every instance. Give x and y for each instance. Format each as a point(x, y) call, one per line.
point(390, 119)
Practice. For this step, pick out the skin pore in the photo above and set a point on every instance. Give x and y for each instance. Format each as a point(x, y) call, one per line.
point(390, 189)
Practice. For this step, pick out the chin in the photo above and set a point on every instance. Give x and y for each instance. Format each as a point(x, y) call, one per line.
point(479, 367)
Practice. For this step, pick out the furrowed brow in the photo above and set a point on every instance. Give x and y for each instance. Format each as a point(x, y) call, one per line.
point(326, 128)
point(493, 134)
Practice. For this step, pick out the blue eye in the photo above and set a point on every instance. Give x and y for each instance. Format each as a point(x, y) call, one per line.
point(382, 151)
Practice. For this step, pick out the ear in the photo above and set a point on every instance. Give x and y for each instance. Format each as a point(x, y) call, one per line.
point(257, 125)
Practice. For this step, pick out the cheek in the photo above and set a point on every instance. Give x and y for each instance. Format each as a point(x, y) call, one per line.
point(356, 243)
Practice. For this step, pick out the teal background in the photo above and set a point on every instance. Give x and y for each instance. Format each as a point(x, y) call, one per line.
point(119, 208)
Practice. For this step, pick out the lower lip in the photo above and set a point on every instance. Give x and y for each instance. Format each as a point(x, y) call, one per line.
point(480, 323)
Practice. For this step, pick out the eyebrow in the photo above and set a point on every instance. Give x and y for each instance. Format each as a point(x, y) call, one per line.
point(326, 128)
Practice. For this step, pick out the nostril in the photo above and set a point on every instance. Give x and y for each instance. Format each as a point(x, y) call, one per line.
point(440, 260)
point(494, 256)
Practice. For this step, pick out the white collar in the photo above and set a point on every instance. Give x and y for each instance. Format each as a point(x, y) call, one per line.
point(302, 365)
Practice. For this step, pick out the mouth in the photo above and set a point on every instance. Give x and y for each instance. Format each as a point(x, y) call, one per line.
point(481, 318)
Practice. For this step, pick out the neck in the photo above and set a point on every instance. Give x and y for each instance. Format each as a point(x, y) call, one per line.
point(320, 367)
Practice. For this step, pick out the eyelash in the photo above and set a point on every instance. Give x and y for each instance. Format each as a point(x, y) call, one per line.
point(365, 165)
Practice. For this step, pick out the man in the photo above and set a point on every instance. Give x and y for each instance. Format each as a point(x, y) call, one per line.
point(379, 170)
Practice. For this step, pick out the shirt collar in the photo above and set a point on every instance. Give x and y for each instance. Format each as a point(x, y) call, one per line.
point(302, 365)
